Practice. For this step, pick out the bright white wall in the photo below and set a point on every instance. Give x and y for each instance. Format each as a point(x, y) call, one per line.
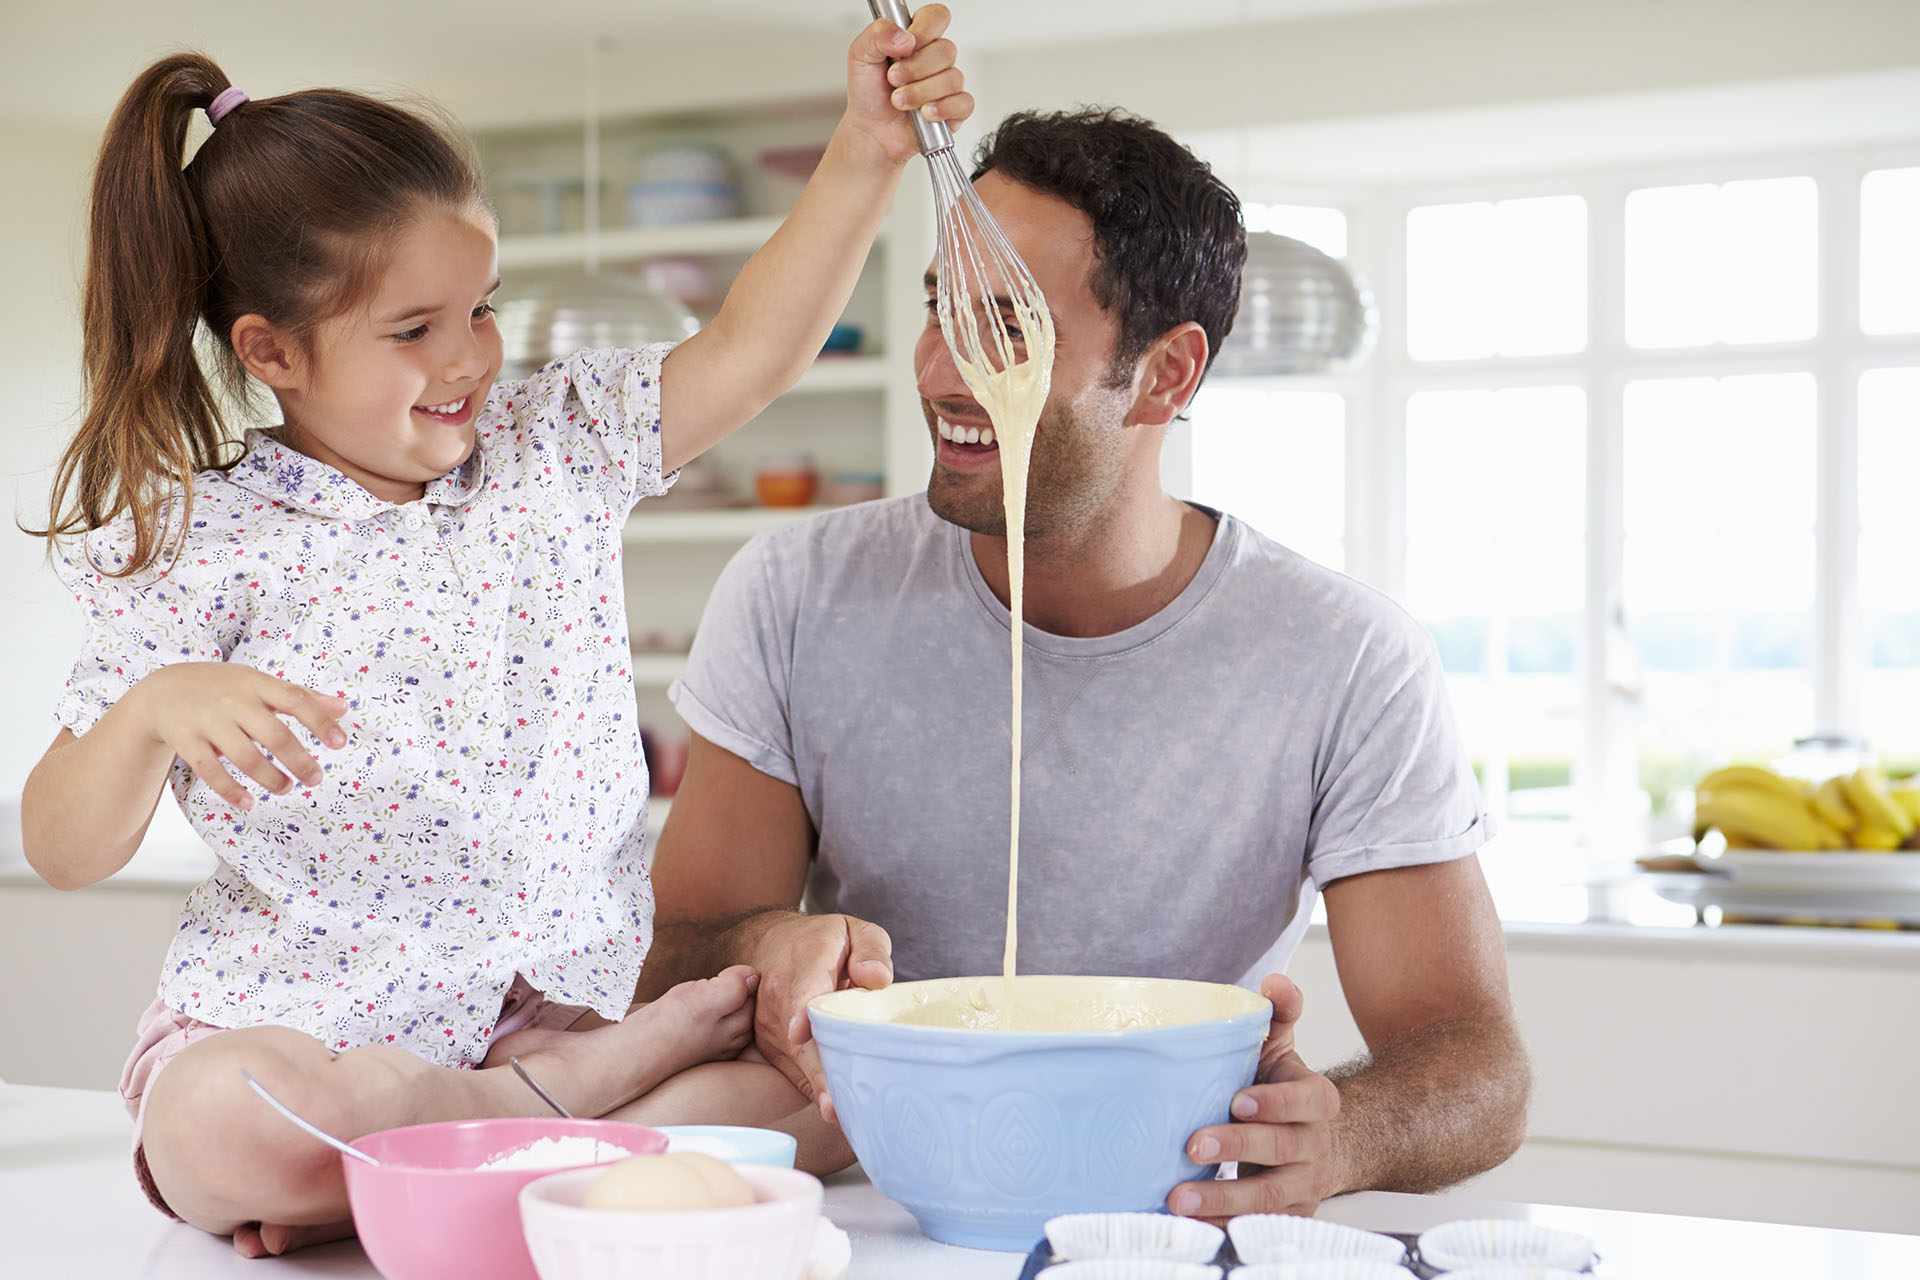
point(41, 248)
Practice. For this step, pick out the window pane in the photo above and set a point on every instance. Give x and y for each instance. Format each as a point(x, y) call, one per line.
point(1496, 571)
point(1889, 573)
point(1506, 279)
point(1450, 304)
point(1543, 267)
point(1276, 459)
point(1736, 263)
point(1890, 251)
point(1324, 229)
point(1718, 573)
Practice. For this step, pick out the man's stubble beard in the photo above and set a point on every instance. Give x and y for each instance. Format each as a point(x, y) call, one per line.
point(1064, 486)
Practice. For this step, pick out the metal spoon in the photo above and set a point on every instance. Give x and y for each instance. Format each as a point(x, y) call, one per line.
point(535, 1086)
point(344, 1148)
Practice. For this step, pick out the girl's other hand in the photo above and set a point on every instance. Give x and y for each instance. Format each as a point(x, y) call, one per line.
point(890, 71)
point(209, 711)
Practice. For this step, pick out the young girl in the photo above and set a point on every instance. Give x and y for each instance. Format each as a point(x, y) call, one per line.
point(415, 578)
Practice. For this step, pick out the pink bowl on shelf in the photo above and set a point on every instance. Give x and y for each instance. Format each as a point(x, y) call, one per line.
point(429, 1211)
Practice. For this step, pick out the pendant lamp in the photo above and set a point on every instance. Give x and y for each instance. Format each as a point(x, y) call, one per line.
point(547, 319)
point(1301, 312)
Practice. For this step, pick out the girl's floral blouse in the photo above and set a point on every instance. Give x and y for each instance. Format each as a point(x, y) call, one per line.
point(488, 813)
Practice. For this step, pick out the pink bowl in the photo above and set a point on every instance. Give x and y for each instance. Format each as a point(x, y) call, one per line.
point(766, 1240)
point(429, 1211)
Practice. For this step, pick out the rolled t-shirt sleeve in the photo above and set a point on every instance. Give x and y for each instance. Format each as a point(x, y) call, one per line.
point(734, 692)
point(1397, 789)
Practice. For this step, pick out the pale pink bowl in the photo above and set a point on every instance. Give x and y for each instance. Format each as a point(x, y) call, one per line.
point(429, 1211)
point(766, 1240)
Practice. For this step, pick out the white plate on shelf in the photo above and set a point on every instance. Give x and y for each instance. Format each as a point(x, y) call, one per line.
point(1846, 869)
point(1788, 902)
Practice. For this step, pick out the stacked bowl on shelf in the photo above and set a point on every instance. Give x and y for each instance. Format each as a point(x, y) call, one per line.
point(682, 184)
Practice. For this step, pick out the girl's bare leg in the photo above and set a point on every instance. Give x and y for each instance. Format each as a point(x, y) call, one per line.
point(224, 1160)
point(748, 1091)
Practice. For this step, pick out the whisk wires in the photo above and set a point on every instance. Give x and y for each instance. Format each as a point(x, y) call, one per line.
point(980, 278)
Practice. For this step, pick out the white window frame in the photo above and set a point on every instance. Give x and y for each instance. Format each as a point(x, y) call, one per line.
point(1839, 353)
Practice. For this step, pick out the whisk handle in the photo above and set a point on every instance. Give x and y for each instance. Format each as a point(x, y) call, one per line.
point(934, 135)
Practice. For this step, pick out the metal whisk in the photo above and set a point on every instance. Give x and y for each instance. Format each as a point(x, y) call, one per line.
point(996, 324)
point(981, 283)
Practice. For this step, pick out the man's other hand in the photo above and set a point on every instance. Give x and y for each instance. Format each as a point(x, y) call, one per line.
point(1281, 1135)
point(799, 957)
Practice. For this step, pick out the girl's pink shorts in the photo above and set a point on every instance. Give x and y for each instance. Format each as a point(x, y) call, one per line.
point(163, 1033)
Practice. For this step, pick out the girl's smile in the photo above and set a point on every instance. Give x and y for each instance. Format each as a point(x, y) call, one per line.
point(391, 392)
point(457, 413)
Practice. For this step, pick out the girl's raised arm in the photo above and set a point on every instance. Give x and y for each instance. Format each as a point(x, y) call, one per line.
point(790, 293)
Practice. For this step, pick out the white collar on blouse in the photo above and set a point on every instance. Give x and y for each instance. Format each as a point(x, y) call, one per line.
point(269, 469)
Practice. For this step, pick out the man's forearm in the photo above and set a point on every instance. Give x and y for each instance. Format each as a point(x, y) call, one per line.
point(683, 950)
point(1432, 1109)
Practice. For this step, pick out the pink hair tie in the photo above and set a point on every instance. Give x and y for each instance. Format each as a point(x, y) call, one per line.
point(222, 106)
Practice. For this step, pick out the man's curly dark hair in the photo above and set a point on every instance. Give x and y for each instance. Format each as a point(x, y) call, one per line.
point(1168, 241)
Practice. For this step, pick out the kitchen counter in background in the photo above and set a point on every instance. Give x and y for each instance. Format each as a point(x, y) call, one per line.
point(69, 1208)
point(1736, 1071)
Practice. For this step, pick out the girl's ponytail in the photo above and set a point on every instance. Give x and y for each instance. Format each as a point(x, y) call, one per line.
point(290, 211)
point(151, 419)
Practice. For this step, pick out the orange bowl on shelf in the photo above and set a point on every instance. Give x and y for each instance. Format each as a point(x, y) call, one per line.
point(785, 480)
point(785, 490)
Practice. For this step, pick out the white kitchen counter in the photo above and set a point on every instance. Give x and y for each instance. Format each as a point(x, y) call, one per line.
point(69, 1210)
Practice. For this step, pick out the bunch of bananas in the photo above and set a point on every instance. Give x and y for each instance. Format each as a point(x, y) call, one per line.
point(1756, 808)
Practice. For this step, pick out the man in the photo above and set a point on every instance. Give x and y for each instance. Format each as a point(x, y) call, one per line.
point(1212, 723)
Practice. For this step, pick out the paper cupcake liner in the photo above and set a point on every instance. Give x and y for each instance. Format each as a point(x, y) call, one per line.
point(830, 1256)
point(1513, 1271)
point(1130, 1269)
point(1157, 1236)
point(1323, 1269)
point(1282, 1237)
point(1482, 1242)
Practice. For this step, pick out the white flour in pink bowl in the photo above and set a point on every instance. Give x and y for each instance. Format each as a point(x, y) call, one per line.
point(558, 1153)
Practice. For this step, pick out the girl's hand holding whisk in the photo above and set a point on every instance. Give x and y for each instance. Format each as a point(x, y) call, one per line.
point(208, 712)
point(787, 297)
point(890, 71)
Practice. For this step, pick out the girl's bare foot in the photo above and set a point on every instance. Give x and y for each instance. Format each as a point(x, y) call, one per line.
point(708, 1020)
point(271, 1239)
point(593, 1072)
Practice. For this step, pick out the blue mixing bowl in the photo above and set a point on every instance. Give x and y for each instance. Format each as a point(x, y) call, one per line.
point(984, 1134)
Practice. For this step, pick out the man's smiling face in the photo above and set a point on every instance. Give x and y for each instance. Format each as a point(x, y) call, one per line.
point(1077, 454)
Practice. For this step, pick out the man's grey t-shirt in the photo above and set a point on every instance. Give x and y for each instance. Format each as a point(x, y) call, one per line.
point(1275, 725)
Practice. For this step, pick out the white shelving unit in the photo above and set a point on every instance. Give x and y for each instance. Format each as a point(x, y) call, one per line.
point(636, 244)
point(844, 373)
point(854, 413)
point(720, 524)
